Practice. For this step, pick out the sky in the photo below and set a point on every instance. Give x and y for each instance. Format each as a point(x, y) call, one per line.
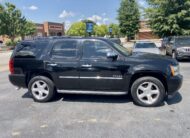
point(69, 11)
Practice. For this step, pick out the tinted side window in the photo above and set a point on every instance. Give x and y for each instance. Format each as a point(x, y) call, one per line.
point(26, 50)
point(65, 49)
point(95, 49)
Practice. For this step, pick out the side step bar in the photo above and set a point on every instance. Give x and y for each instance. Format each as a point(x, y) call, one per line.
point(92, 92)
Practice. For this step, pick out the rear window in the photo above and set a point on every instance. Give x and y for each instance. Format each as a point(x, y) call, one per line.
point(29, 49)
point(183, 41)
point(145, 45)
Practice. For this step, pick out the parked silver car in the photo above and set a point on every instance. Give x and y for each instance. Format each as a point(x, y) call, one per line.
point(146, 47)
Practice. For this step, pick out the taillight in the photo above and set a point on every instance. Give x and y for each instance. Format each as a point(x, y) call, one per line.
point(11, 66)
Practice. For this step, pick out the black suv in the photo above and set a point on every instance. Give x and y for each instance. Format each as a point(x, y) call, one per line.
point(177, 47)
point(92, 65)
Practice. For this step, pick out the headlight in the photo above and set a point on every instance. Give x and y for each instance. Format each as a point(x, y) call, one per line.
point(174, 70)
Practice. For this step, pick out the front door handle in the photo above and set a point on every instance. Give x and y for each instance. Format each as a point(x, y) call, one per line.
point(52, 64)
point(86, 65)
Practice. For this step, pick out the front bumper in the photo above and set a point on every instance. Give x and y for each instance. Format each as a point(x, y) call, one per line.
point(18, 80)
point(174, 84)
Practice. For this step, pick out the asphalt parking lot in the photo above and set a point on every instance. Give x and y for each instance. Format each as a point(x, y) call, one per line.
point(84, 116)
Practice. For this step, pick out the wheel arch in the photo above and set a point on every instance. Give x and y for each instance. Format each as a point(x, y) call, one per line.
point(33, 74)
point(157, 75)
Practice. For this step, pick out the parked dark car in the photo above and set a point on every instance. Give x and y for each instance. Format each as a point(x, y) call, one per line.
point(92, 65)
point(177, 47)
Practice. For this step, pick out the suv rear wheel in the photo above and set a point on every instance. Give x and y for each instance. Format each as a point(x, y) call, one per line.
point(148, 92)
point(42, 88)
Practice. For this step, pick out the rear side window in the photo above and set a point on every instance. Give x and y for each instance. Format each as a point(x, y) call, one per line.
point(25, 50)
point(65, 49)
point(29, 49)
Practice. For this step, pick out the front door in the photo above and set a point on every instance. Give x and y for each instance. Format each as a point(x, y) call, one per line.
point(97, 72)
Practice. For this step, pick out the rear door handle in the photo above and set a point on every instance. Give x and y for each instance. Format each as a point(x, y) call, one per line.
point(52, 64)
point(86, 65)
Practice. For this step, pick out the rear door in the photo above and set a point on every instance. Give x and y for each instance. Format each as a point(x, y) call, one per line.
point(63, 63)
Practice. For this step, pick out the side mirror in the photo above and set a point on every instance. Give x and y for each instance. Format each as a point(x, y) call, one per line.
point(112, 55)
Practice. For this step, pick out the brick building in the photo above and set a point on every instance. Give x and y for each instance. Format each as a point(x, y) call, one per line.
point(145, 32)
point(49, 29)
point(39, 30)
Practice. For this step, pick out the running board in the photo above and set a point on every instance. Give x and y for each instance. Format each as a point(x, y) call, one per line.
point(92, 92)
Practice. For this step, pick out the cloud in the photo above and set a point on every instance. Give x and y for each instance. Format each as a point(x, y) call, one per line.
point(105, 20)
point(99, 19)
point(33, 8)
point(66, 14)
point(95, 18)
point(67, 24)
point(142, 3)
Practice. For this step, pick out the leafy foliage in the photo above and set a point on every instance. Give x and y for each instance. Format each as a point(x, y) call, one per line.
point(77, 29)
point(169, 17)
point(12, 23)
point(128, 16)
point(115, 29)
point(100, 30)
point(29, 28)
point(10, 20)
point(11, 43)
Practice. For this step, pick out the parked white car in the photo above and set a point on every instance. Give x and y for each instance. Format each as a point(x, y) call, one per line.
point(146, 47)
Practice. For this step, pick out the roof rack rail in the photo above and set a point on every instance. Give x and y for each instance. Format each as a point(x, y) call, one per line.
point(55, 37)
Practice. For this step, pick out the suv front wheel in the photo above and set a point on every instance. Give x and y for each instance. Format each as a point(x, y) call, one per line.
point(42, 88)
point(148, 92)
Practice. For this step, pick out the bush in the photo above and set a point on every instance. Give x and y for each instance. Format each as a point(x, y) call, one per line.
point(11, 43)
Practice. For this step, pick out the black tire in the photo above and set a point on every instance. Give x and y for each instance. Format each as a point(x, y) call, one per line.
point(50, 85)
point(142, 80)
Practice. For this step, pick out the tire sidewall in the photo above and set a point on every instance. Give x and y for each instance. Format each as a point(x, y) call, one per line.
point(157, 82)
point(50, 86)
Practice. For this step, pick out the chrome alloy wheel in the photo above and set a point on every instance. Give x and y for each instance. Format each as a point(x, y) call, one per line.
point(148, 92)
point(40, 89)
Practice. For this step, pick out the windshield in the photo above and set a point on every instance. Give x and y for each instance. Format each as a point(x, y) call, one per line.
point(182, 42)
point(145, 45)
point(121, 49)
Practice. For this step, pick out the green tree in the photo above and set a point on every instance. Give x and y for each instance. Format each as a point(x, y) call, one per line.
point(115, 29)
point(77, 29)
point(10, 20)
point(100, 30)
point(129, 16)
point(28, 28)
point(169, 17)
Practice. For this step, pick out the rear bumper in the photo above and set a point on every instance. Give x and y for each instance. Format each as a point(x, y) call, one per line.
point(174, 84)
point(18, 80)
